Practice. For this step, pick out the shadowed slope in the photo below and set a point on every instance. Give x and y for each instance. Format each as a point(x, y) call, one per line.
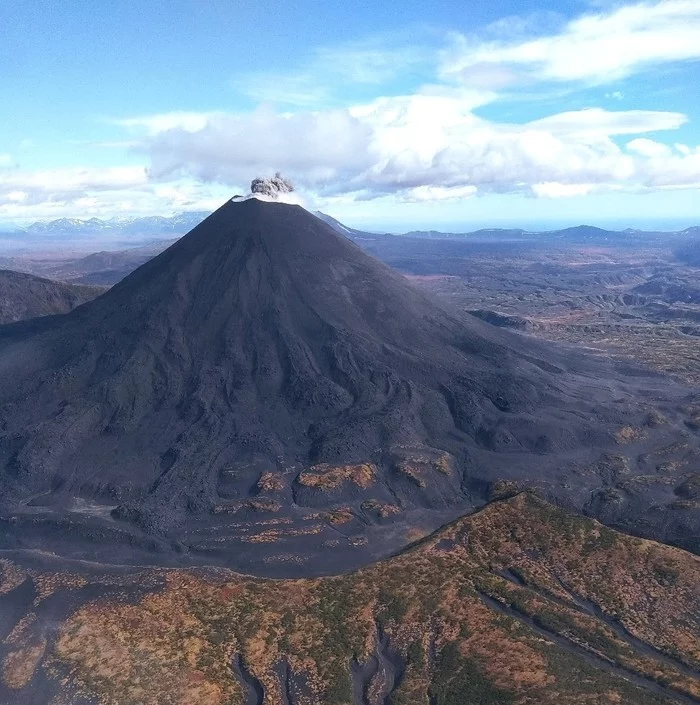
point(24, 296)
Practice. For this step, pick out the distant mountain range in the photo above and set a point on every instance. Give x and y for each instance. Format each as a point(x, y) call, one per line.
point(578, 233)
point(133, 241)
point(155, 225)
point(181, 223)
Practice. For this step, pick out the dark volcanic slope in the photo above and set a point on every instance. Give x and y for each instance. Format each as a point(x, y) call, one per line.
point(25, 296)
point(264, 388)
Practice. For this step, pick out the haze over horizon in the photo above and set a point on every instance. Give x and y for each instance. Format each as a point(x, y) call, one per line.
point(388, 120)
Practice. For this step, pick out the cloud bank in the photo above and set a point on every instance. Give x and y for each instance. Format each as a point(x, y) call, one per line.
point(424, 146)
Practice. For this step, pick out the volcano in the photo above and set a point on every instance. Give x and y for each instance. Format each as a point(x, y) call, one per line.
point(265, 395)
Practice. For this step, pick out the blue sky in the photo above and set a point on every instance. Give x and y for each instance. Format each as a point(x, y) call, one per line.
point(388, 115)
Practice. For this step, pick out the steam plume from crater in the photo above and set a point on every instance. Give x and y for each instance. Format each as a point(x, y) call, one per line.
point(276, 188)
point(271, 187)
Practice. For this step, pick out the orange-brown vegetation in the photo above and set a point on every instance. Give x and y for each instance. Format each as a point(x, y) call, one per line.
point(270, 482)
point(627, 434)
point(418, 464)
point(19, 665)
point(383, 509)
point(520, 603)
point(328, 477)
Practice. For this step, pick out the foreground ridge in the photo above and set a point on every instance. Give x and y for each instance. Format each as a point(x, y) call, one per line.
point(518, 603)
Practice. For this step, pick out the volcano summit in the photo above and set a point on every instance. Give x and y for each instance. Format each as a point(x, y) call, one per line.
point(265, 395)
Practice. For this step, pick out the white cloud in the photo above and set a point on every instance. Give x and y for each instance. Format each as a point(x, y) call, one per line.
point(556, 190)
point(16, 196)
point(23, 193)
point(426, 147)
point(177, 120)
point(664, 169)
point(439, 193)
point(596, 48)
point(649, 148)
point(319, 147)
point(372, 62)
point(73, 180)
point(300, 90)
point(87, 192)
point(596, 122)
point(429, 145)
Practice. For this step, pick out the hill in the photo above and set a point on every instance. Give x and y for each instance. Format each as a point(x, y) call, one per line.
point(25, 296)
point(108, 267)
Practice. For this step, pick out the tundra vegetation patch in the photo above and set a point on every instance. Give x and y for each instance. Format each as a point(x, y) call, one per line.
point(519, 603)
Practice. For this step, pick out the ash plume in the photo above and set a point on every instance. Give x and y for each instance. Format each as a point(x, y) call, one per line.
point(272, 187)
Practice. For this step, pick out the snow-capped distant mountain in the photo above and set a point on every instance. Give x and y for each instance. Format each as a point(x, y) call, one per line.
point(63, 225)
point(150, 225)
